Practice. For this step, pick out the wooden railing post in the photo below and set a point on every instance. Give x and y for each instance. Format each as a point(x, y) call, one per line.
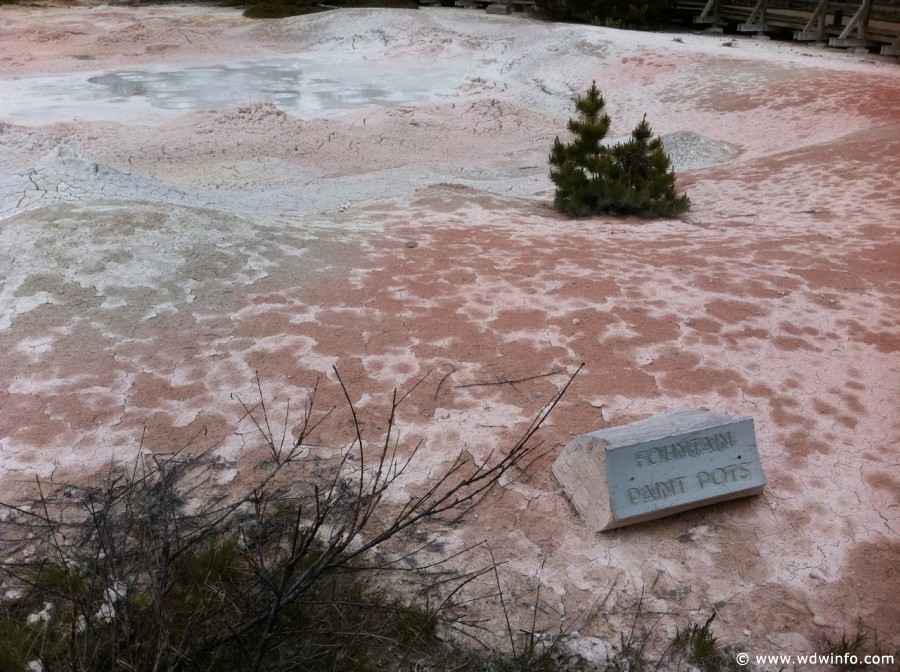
point(818, 20)
point(860, 22)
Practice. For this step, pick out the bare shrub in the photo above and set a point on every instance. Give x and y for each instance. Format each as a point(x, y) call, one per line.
point(154, 569)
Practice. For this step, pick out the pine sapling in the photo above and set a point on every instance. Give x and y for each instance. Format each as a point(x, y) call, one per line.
point(634, 178)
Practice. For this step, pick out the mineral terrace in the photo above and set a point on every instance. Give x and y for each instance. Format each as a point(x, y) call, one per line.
point(189, 198)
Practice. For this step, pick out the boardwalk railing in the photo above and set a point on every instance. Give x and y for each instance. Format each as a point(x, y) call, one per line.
point(866, 24)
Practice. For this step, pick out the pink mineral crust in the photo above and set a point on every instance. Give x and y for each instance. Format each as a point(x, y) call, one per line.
point(154, 261)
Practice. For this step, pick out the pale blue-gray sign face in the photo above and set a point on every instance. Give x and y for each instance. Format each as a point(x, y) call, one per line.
point(683, 469)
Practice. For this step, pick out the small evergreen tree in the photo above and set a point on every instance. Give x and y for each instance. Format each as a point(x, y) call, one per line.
point(645, 173)
point(634, 178)
point(582, 168)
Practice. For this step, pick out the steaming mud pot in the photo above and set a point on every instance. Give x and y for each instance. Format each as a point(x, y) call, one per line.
point(299, 86)
point(156, 258)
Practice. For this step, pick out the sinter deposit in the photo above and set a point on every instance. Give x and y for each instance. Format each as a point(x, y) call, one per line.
point(383, 204)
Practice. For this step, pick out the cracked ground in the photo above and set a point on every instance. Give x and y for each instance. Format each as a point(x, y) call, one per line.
point(154, 261)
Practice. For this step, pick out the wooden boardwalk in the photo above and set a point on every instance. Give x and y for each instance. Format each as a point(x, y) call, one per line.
point(864, 25)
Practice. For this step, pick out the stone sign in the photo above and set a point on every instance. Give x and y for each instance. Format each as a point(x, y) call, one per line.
point(669, 462)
